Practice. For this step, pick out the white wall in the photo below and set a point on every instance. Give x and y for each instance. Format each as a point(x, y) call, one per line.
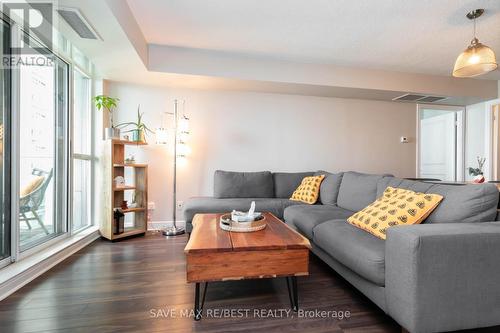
point(245, 131)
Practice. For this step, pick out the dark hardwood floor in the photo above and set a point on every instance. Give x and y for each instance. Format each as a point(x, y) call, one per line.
point(130, 286)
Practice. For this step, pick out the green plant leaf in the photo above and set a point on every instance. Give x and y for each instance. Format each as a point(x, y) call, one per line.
point(148, 129)
point(105, 102)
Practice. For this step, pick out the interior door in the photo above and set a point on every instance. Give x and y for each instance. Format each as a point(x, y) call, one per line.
point(440, 144)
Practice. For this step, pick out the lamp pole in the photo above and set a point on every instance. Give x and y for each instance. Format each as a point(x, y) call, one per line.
point(174, 230)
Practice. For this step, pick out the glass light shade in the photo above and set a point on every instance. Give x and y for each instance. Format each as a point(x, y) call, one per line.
point(182, 149)
point(183, 137)
point(161, 136)
point(181, 160)
point(183, 125)
point(477, 59)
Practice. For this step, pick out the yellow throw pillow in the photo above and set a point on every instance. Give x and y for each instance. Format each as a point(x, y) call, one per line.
point(308, 190)
point(395, 207)
point(31, 186)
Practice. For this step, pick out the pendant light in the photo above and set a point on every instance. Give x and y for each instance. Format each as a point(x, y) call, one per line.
point(478, 58)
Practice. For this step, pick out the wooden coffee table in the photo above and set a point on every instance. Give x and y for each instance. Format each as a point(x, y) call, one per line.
point(213, 254)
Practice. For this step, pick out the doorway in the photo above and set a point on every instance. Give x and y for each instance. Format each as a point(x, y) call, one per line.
point(440, 142)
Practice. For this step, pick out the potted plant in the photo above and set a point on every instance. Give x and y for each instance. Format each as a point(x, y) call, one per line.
point(478, 172)
point(108, 104)
point(140, 129)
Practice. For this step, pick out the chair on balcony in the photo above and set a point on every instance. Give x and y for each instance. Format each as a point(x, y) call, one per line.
point(33, 197)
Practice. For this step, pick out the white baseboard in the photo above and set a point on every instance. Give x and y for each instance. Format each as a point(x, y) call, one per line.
point(158, 225)
point(52, 256)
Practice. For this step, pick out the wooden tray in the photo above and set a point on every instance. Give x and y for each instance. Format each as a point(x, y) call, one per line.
point(227, 224)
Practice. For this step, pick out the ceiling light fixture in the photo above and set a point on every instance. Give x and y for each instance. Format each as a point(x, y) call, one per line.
point(478, 58)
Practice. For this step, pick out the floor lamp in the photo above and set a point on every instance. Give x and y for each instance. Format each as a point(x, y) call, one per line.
point(161, 138)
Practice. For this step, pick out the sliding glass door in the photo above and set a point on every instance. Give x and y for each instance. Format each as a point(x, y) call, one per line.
point(4, 146)
point(43, 104)
point(45, 192)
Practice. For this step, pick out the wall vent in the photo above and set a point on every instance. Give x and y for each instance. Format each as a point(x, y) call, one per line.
point(431, 99)
point(419, 98)
point(78, 23)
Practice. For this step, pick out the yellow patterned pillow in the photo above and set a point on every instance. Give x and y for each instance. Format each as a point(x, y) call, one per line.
point(395, 207)
point(308, 190)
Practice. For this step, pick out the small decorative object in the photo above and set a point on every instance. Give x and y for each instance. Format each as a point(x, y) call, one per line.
point(243, 221)
point(124, 205)
point(133, 204)
point(479, 179)
point(249, 216)
point(119, 219)
point(130, 159)
point(140, 131)
point(478, 172)
point(106, 103)
point(126, 137)
point(119, 181)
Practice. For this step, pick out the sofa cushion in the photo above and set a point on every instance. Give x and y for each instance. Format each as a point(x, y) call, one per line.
point(461, 203)
point(285, 183)
point(416, 186)
point(396, 206)
point(214, 205)
point(329, 190)
point(228, 184)
point(360, 251)
point(304, 217)
point(357, 190)
point(308, 190)
point(465, 203)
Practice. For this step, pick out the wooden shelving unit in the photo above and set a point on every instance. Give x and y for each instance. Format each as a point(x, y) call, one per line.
point(136, 181)
point(124, 188)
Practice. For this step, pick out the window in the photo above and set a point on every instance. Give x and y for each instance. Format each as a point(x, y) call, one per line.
point(4, 147)
point(43, 109)
point(82, 150)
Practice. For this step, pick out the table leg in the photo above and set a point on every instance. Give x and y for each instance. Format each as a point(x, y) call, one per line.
point(293, 293)
point(197, 312)
point(198, 308)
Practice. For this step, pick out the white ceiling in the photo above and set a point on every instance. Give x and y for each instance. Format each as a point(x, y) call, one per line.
point(418, 36)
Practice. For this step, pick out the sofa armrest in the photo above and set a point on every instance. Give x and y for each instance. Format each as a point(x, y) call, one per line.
point(443, 277)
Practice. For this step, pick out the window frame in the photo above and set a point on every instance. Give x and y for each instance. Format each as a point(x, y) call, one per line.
point(79, 156)
point(7, 153)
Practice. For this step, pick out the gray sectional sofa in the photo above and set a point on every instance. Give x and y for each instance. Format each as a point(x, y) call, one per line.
point(441, 275)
